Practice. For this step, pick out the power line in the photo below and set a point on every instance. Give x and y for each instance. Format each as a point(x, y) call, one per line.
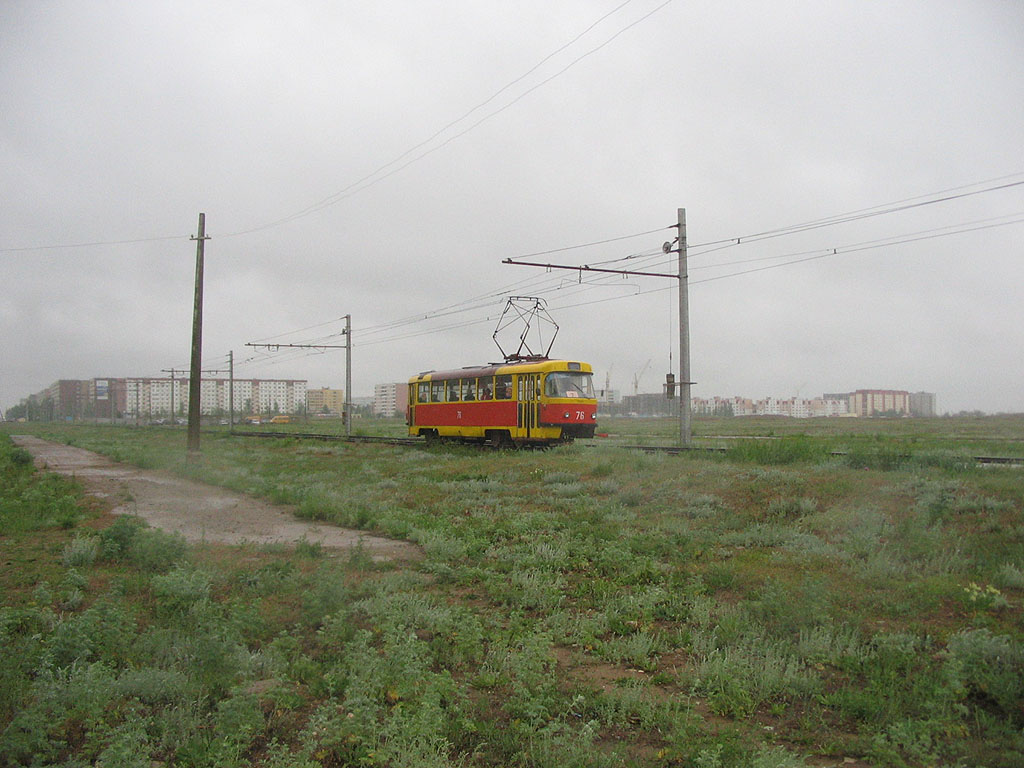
point(368, 180)
point(93, 244)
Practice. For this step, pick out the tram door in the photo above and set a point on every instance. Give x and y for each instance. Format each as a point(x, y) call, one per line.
point(529, 406)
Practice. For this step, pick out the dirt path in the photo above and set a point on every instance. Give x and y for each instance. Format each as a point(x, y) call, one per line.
point(198, 511)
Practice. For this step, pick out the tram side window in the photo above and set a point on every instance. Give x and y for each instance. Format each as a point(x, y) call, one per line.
point(469, 389)
point(437, 391)
point(453, 391)
point(486, 387)
point(423, 392)
point(502, 387)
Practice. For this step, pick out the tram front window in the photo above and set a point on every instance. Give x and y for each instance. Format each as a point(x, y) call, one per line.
point(564, 384)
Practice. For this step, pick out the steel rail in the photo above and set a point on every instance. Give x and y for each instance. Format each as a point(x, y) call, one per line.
point(672, 450)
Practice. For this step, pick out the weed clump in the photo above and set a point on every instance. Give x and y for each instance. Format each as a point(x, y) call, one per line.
point(80, 551)
point(790, 450)
point(131, 540)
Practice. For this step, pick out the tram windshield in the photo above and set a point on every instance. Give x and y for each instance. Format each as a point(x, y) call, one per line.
point(566, 384)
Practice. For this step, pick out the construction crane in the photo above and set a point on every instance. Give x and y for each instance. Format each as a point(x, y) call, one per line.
point(637, 376)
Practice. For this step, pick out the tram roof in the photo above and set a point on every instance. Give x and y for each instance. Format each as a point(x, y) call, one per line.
point(517, 366)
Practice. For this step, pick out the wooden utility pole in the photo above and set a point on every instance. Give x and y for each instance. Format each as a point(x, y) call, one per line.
point(171, 371)
point(348, 375)
point(195, 380)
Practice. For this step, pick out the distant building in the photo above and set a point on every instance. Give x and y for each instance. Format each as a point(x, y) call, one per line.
point(829, 405)
point(655, 404)
point(390, 399)
point(922, 404)
point(157, 396)
point(876, 402)
point(324, 400)
point(149, 397)
point(722, 406)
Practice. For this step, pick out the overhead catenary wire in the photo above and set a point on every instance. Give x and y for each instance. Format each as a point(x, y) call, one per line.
point(882, 209)
point(793, 259)
point(397, 332)
point(917, 201)
point(546, 285)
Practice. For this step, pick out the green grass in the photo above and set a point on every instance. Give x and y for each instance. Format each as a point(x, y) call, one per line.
point(587, 606)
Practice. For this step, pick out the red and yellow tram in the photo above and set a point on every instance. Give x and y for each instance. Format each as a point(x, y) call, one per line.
point(527, 402)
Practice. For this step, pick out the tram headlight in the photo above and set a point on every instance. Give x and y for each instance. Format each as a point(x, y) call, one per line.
point(565, 415)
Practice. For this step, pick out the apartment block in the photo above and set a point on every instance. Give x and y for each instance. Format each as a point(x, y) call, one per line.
point(324, 400)
point(874, 402)
point(148, 397)
point(390, 399)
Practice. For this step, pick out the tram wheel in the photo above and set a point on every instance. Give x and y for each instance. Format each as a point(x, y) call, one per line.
point(500, 439)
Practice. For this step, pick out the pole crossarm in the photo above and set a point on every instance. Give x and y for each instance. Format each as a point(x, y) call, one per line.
point(347, 346)
point(685, 433)
point(587, 268)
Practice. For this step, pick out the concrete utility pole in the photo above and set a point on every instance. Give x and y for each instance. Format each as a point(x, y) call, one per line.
point(347, 346)
point(685, 405)
point(684, 318)
point(195, 382)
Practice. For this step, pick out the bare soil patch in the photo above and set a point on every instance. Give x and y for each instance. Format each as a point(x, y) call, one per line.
point(199, 512)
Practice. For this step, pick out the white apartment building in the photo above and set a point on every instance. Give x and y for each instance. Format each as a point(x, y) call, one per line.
point(153, 397)
point(385, 398)
point(793, 407)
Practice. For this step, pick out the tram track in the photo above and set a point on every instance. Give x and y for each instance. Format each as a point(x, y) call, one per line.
point(1009, 461)
point(335, 438)
point(672, 450)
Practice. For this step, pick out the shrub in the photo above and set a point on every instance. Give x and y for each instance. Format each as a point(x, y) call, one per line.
point(881, 457)
point(790, 450)
point(19, 457)
point(639, 650)
point(1010, 576)
point(80, 551)
point(154, 550)
point(737, 680)
point(991, 667)
point(180, 588)
point(115, 540)
point(791, 509)
point(151, 685)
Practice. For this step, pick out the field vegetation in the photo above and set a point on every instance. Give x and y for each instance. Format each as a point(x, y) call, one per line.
point(773, 605)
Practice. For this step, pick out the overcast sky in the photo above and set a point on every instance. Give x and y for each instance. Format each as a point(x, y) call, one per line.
point(381, 160)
